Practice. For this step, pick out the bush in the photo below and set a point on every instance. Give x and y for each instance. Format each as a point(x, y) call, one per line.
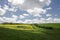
point(20, 26)
point(45, 27)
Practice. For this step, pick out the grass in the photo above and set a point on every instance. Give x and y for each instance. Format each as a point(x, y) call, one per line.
point(29, 32)
point(12, 26)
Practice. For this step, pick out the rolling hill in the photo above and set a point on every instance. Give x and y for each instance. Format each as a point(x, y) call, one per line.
point(50, 31)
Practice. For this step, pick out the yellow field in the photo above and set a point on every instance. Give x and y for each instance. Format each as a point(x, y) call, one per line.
point(22, 27)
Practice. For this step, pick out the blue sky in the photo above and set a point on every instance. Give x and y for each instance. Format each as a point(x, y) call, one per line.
point(55, 7)
point(30, 11)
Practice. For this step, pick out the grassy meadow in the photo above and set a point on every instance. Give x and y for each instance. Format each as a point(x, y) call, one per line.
point(48, 31)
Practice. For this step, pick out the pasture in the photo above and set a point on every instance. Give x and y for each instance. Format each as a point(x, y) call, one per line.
point(49, 31)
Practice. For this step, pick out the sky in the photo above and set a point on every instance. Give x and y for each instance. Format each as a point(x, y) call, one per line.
point(30, 11)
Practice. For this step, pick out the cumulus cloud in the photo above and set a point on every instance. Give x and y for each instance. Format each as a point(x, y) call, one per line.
point(41, 0)
point(12, 9)
point(48, 8)
point(5, 7)
point(36, 11)
point(1, 20)
point(34, 7)
point(19, 21)
point(2, 11)
point(56, 20)
point(25, 14)
point(16, 2)
point(21, 16)
point(9, 20)
point(14, 16)
point(41, 20)
point(29, 4)
point(34, 21)
point(49, 20)
point(12, 19)
point(48, 15)
point(52, 20)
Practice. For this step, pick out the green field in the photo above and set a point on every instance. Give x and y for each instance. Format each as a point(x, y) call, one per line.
point(50, 31)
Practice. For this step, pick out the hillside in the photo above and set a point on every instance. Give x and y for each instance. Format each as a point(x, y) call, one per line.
point(30, 31)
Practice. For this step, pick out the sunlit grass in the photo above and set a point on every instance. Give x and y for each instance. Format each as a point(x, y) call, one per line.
point(29, 32)
point(25, 27)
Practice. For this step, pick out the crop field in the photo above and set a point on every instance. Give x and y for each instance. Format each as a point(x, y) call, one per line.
point(47, 31)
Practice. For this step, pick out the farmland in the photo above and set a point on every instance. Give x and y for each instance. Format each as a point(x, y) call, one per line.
point(47, 31)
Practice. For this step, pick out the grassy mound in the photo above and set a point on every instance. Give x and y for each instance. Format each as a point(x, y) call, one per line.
point(17, 27)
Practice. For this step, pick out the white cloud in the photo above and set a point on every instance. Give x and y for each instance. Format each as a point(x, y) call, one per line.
point(48, 15)
point(25, 14)
point(41, 20)
point(29, 4)
point(19, 21)
point(12, 9)
point(21, 16)
point(36, 11)
point(9, 20)
point(50, 20)
point(16, 2)
point(2, 11)
point(35, 21)
point(12, 19)
point(56, 20)
point(29, 21)
point(48, 8)
point(34, 7)
point(41, 0)
point(5, 7)
point(53, 20)
point(1, 20)
point(14, 16)
point(30, 10)
point(48, 2)
point(26, 21)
